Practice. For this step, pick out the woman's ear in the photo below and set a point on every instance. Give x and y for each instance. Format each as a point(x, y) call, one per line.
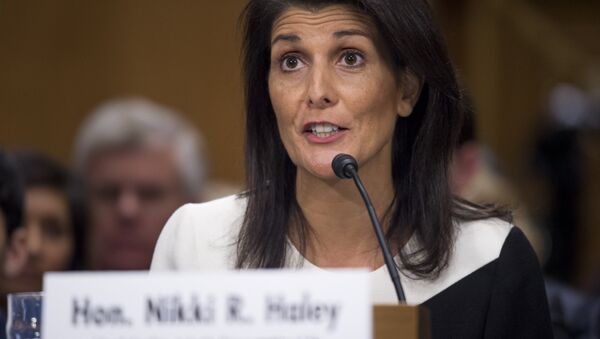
point(16, 254)
point(409, 90)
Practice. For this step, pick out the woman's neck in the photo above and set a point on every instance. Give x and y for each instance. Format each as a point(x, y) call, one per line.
point(340, 230)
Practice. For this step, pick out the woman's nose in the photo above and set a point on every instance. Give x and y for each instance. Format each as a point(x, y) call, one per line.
point(321, 88)
point(34, 240)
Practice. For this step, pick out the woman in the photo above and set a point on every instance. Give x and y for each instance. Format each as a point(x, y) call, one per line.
point(372, 79)
point(49, 239)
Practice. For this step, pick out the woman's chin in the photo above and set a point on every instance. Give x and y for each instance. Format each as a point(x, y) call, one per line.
point(318, 165)
point(322, 171)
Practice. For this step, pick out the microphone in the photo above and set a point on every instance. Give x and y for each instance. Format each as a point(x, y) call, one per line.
point(346, 167)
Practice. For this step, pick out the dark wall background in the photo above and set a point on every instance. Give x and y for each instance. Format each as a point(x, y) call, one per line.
point(59, 59)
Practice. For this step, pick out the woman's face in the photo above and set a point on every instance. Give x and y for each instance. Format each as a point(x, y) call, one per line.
point(44, 243)
point(333, 89)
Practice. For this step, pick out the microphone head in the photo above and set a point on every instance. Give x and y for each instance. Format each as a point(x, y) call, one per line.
point(343, 164)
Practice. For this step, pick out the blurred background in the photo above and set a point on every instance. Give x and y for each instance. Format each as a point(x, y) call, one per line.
point(530, 67)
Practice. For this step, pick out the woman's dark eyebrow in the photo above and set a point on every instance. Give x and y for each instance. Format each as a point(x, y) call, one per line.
point(338, 34)
point(285, 37)
point(341, 34)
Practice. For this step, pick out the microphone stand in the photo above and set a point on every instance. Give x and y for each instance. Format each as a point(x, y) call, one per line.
point(345, 166)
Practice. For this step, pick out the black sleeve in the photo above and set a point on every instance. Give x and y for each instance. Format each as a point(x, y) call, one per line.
point(518, 305)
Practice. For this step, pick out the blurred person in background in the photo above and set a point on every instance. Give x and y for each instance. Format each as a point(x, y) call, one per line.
point(475, 177)
point(11, 208)
point(137, 161)
point(50, 236)
point(559, 162)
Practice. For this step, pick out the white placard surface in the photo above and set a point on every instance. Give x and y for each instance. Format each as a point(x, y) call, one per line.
point(269, 304)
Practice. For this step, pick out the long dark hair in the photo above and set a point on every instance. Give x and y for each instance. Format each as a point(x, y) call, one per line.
point(422, 147)
point(11, 194)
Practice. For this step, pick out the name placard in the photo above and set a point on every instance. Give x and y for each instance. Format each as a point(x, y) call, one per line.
point(273, 304)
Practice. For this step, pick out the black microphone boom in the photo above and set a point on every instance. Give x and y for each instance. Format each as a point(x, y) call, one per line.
point(346, 167)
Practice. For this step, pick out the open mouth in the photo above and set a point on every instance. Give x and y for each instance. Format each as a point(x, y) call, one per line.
point(323, 129)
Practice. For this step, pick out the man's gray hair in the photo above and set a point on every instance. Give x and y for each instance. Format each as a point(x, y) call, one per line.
point(136, 122)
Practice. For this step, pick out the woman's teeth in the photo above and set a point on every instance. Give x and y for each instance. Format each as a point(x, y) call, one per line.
point(324, 130)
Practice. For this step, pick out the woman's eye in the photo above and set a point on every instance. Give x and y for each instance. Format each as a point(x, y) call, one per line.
point(53, 228)
point(290, 63)
point(352, 58)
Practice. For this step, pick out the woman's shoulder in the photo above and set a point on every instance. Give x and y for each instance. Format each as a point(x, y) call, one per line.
point(200, 236)
point(483, 238)
point(209, 219)
point(477, 244)
point(494, 276)
point(219, 211)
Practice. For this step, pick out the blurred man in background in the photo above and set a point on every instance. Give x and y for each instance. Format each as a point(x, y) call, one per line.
point(137, 161)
